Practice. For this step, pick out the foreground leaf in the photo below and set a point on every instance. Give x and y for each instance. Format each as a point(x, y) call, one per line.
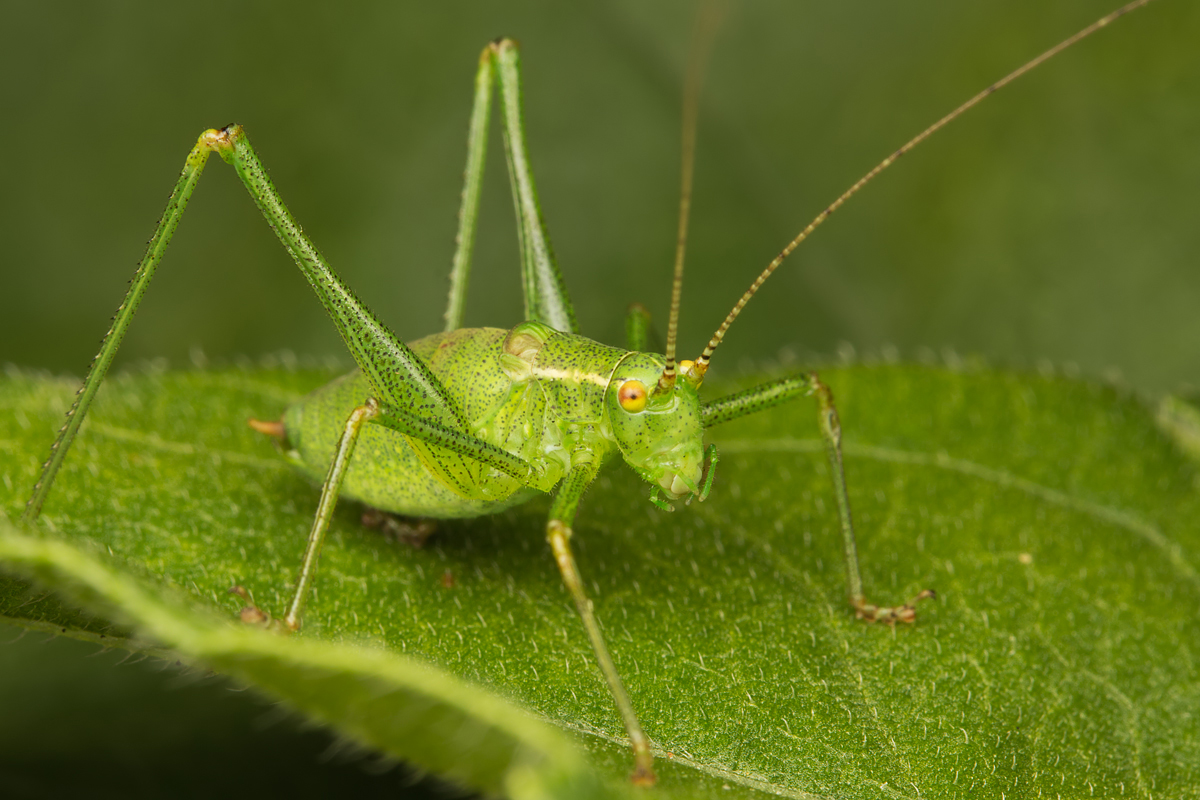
point(376, 698)
point(1058, 525)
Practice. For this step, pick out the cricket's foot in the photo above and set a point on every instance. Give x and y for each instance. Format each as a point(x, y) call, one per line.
point(253, 615)
point(643, 772)
point(410, 531)
point(890, 614)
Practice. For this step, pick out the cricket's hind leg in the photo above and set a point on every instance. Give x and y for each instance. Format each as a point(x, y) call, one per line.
point(412, 531)
point(640, 333)
point(776, 393)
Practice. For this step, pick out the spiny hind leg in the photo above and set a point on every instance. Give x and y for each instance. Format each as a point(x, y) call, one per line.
point(640, 335)
point(778, 392)
point(545, 292)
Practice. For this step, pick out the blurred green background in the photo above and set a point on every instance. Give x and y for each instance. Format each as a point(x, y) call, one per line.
point(1056, 222)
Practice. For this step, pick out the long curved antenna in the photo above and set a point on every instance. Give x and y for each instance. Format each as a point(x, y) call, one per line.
point(701, 364)
point(703, 33)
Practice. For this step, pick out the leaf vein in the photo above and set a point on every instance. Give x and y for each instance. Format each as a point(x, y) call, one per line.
point(1115, 516)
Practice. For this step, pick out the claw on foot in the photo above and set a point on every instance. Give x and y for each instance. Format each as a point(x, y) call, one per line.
point(643, 774)
point(890, 614)
point(250, 614)
point(273, 428)
point(414, 532)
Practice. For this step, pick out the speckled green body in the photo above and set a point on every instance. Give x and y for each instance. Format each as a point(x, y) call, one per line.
point(546, 396)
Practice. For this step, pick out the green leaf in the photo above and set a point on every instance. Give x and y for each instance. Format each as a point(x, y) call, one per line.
point(1056, 522)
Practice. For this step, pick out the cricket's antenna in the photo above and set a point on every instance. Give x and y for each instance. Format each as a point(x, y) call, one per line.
point(701, 364)
point(703, 33)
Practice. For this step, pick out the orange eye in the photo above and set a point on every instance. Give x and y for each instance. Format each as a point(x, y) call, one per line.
point(632, 396)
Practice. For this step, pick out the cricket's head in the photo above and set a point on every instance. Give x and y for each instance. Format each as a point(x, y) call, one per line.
point(660, 434)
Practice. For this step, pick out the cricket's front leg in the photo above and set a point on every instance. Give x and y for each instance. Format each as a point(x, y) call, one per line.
point(772, 394)
point(831, 431)
point(558, 532)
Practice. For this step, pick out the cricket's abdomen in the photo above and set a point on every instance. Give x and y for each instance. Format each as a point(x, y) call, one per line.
point(387, 473)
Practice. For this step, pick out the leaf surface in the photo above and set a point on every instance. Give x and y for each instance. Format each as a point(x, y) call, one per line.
point(1056, 522)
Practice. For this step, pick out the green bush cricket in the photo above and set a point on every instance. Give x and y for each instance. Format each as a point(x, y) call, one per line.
point(473, 420)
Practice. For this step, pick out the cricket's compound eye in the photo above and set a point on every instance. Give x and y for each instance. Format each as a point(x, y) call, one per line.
point(632, 396)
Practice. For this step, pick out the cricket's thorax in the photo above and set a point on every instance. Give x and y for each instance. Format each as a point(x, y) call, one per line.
point(603, 396)
point(541, 398)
